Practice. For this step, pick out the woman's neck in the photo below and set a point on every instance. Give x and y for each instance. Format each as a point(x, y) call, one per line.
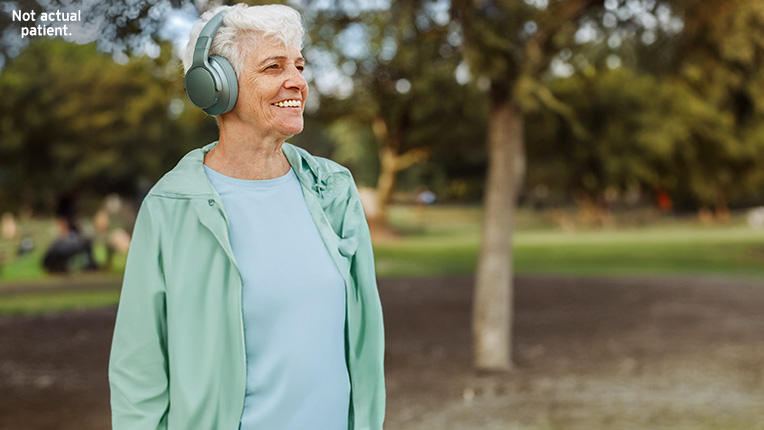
point(244, 155)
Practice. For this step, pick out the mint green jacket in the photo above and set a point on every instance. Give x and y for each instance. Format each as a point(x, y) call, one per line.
point(178, 358)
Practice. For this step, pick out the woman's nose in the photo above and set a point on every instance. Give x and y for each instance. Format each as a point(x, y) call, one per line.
point(295, 80)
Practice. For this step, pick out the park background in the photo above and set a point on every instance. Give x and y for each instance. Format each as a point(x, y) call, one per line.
point(635, 140)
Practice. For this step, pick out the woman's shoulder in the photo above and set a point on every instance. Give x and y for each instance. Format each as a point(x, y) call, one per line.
point(295, 154)
point(187, 179)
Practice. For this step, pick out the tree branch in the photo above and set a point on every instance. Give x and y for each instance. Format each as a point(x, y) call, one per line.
point(541, 43)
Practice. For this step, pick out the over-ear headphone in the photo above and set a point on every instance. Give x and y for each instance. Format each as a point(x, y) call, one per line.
point(211, 81)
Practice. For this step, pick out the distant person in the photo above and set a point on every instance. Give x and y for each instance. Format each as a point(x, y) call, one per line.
point(664, 201)
point(755, 218)
point(425, 196)
point(249, 299)
point(71, 250)
point(8, 226)
point(108, 223)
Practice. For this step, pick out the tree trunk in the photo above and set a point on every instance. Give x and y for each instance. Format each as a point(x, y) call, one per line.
point(387, 173)
point(388, 177)
point(391, 162)
point(722, 212)
point(492, 305)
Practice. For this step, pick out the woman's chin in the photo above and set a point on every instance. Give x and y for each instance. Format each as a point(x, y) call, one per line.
point(291, 129)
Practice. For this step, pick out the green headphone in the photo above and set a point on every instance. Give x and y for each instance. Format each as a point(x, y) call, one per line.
point(211, 81)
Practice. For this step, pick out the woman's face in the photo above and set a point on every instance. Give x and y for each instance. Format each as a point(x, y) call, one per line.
point(272, 90)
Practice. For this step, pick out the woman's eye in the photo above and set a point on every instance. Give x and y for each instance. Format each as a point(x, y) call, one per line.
point(272, 66)
point(301, 68)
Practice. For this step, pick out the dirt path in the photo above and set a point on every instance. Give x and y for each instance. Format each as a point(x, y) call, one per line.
point(591, 354)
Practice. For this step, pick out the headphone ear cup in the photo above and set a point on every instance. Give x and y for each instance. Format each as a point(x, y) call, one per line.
point(199, 84)
point(229, 86)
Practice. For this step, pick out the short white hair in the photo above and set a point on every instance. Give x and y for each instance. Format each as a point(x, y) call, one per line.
point(243, 26)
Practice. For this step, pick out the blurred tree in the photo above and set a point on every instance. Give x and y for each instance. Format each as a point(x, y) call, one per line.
point(121, 27)
point(604, 86)
point(518, 46)
point(397, 79)
point(395, 85)
point(510, 44)
point(717, 90)
point(668, 106)
point(73, 120)
point(603, 149)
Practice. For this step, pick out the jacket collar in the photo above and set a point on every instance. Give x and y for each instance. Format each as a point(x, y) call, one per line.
point(188, 179)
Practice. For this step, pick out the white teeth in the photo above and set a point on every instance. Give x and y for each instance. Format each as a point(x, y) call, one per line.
point(289, 103)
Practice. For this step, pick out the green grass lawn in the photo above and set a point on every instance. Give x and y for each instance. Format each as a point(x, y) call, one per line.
point(37, 302)
point(28, 268)
point(732, 250)
point(444, 240)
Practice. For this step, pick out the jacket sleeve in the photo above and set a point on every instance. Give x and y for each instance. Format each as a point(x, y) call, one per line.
point(369, 346)
point(138, 374)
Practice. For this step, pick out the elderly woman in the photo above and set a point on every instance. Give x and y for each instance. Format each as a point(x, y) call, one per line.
point(249, 299)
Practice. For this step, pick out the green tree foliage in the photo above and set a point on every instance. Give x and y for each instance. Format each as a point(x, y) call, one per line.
point(124, 26)
point(606, 147)
point(679, 111)
point(689, 125)
point(400, 91)
point(722, 73)
point(509, 43)
point(73, 120)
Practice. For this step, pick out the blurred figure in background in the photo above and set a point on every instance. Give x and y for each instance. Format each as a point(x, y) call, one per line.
point(72, 250)
point(109, 223)
point(424, 198)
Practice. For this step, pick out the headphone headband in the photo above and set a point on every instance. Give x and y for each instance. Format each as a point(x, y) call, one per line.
point(204, 41)
point(211, 81)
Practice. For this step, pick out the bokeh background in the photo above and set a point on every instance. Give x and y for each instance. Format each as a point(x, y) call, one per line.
point(633, 217)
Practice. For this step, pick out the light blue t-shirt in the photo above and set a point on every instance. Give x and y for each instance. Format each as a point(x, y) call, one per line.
point(293, 303)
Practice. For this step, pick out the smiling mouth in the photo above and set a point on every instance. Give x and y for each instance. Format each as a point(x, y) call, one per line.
point(288, 104)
